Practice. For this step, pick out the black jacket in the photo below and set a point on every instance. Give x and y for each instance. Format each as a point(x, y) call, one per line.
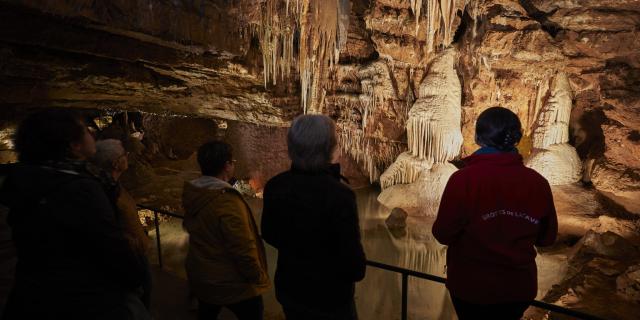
point(73, 260)
point(312, 219)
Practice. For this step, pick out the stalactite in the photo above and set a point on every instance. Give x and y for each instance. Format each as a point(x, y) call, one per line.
point(321, 27)
point(276, 34)
point(474, 12)
point(416, 7)
point(440, 16)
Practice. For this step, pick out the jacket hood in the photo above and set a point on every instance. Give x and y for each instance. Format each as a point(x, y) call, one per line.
point(198, 193)
point(498, 159)
point(208, 182)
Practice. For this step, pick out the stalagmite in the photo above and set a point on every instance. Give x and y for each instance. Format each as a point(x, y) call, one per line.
point(416, 180)
point(553, 156)
point(552, 126)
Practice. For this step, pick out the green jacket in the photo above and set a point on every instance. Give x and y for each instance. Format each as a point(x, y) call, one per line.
point(226, 262)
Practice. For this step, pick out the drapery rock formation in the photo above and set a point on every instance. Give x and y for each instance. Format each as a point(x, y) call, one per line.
point(416, 181)
point(552, 155)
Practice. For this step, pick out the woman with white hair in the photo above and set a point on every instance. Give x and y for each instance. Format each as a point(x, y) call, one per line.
point(312, 219)
point(111, 157)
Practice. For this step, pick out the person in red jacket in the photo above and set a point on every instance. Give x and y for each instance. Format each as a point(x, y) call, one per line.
point(492, 214)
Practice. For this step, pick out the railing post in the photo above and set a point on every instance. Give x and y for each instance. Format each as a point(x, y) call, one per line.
point(157, 223)
point(405, 284)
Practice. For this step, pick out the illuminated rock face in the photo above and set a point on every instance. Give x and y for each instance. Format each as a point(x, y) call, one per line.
point(558, 163)
point(416, 180)
point(553, 156)
point(211, 59)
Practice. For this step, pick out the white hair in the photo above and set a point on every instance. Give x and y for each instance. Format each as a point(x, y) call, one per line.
point(107, 151)
point(311, 141)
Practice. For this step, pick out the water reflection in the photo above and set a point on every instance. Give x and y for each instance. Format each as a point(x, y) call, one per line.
point(379, 294)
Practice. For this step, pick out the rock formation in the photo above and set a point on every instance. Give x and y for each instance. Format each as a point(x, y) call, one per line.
point(416, 180)
point(211, 59)
point(552, 155)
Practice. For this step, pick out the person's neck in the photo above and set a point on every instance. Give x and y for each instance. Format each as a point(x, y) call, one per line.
point(223, 177)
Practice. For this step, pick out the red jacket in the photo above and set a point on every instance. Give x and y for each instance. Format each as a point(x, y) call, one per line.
point(491, 215)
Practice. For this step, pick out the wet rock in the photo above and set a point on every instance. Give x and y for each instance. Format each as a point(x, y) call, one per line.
point(606, 244)
point(628, 229)
point(628, 284)
point(607, 267)
point(397, 219)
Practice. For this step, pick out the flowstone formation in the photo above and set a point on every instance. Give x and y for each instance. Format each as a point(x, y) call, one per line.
point(416, 180)
point(553, 156)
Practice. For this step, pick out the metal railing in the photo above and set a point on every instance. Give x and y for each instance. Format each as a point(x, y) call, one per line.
point(405, 273)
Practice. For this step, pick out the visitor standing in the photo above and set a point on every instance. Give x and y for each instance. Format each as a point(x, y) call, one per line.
point(226, 263)
point(492, 214)
point(73, 259)
point(311, 217)
point(113, 159)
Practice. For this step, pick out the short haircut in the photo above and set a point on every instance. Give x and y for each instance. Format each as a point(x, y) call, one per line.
point(107, 151)
point(47, 135)
point(212, 156)
point(311, 141)
point(499, 128)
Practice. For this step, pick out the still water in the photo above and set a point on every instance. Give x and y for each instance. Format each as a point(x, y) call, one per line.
point(378, 296)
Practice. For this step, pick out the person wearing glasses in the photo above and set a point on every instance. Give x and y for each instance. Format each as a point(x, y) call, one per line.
point(226, 263)
point(492, 214)
point(74, 261)
point(112, 158)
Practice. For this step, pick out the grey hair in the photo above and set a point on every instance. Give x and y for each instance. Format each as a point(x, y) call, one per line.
point(107, 151)
point(311, 141)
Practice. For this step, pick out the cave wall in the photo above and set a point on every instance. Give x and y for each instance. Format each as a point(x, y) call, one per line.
point(204, 58)
point(510, 54)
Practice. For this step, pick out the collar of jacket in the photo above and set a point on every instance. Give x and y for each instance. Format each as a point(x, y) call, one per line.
point(210, 182)
point(332, 170)
point(492, 150)
point(498, 158)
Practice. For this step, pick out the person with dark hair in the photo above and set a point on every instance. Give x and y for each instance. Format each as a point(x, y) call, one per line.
point(73, 259)
point(492, 214)
point(312, 219)
point(226, 263)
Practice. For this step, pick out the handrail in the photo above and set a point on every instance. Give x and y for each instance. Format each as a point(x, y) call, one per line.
point(405, 273)
point(169, 213)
